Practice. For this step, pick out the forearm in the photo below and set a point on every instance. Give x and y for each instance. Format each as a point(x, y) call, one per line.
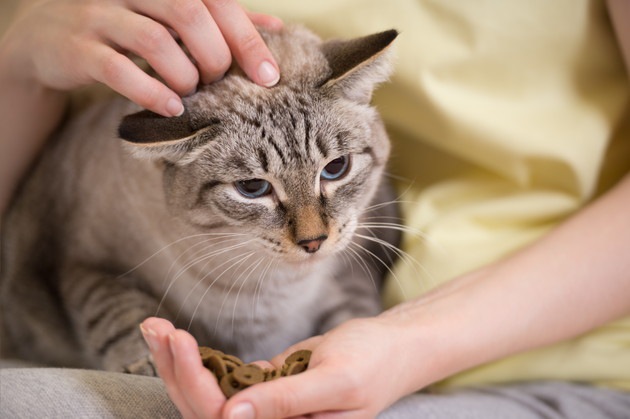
point(28, 114)
point(571, 281)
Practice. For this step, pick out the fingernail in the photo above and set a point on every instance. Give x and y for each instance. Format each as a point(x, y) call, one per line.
point(268, 74)
point(174, 107)
point(242, 411)
point(171, 344)
point(150, 337)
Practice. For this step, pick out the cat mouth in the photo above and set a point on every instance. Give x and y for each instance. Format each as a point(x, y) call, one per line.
point(306, 261)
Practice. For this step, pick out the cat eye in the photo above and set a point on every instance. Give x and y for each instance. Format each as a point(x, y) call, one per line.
point(253, 188)
point(336, 168)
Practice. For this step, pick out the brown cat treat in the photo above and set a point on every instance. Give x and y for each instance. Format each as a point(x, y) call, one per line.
point(233, 375)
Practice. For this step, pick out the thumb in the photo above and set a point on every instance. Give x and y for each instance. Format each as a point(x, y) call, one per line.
point(314, 390)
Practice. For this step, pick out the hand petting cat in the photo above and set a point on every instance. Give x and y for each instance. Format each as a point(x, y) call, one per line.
point(77, 42)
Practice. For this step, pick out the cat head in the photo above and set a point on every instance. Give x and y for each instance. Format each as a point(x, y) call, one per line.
point(295, 165)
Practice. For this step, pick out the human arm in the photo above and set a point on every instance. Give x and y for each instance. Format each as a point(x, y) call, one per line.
point(54, 46)
point(569, 282)
point(572, 280)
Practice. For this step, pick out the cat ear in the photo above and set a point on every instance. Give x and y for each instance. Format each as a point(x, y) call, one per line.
point(156, 136)
point(358, 65)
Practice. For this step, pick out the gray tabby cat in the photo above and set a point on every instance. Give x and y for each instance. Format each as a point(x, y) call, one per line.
point(240, 221)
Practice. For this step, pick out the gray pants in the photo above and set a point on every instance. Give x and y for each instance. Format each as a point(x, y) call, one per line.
point(548, 400)
point(67, 393)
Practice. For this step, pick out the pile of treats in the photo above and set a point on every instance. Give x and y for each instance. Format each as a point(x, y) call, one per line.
point(233, 375)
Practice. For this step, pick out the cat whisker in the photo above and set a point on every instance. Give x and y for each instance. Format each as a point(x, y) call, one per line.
point(234, 283)
point(398, 219)
point(258, 292)
point(363, 264)
point(404, 257)
point(203, 274)
point(384, 264)
point(374, 207)
point(172, 244)
point(347, 261)
point(208, 256)
point(252, 269)
point(394, 226)
point(188, 265)
point(394, 201)
point(239, 261)
point(193, 258)
point(398, 178)
point(203, 258)
point(271, 266)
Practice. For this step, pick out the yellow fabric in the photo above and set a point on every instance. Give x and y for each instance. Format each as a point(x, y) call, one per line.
point(506, 118)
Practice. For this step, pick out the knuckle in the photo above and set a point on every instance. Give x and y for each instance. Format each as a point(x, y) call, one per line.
point(114, 74)
point(220, 3)
point(250, 42)
point(355, 395)
point(152, 36)
point(112, 68)
point(353, 388)
point(89, 13)
point(189, 84)
point(188, 12)
point(287, 404)
point(149, 98)
point(221, 61)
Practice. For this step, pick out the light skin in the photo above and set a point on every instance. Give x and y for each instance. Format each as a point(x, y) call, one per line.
point(55, 46)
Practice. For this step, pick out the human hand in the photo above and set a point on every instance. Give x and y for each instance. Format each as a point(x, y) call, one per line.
point(356, 370)
point(64, 44)
point(192, 388)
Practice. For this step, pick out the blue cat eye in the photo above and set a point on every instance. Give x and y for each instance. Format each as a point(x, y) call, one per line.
point(336, 168)
point(253, 188)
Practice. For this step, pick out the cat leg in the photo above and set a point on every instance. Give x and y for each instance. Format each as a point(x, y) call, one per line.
point(106, 312)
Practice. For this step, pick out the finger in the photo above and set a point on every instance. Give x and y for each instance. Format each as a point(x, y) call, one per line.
point(156, 332)
point(194, 25)
point(152, 41)
point(309, 343)
point(342, 414)
point(245, 42)
point(196, 383)
point(122, 75)
point(272, 23)
point(263, 364)
point(315, 390)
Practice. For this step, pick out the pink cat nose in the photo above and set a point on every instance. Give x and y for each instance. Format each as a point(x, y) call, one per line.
point(312, 245)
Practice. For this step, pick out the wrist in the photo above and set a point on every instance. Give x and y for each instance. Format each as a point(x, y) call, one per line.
point(18, 54)
point(17, 72)
point(445, 332)
point(428, 356)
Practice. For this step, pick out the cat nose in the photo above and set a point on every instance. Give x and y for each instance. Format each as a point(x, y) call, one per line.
point(312, 245)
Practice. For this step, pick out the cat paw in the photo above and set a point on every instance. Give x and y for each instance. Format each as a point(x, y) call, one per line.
point(143, 366)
